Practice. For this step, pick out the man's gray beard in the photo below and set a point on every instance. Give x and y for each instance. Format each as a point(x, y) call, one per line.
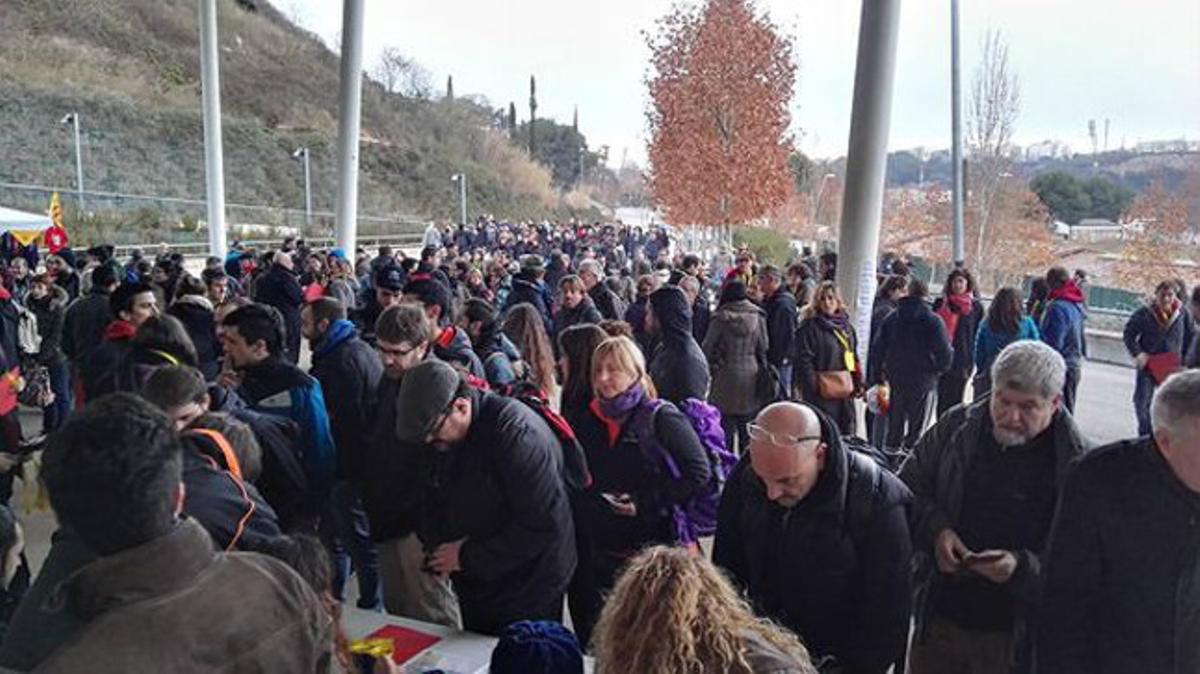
point(1008, 438)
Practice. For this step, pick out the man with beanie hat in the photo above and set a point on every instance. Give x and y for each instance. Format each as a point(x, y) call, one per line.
point(386, 290)
point(678, 367)
point(537, 647)
point(529, 287)
point(495, 516)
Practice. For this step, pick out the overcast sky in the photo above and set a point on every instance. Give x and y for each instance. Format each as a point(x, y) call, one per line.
point(1136, 62)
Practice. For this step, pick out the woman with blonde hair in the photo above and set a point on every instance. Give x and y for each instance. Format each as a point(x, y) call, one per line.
point(629, 437)
point(673, 611)
point(826, 369)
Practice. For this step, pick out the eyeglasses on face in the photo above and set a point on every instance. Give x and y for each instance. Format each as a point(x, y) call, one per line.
point(761, 434)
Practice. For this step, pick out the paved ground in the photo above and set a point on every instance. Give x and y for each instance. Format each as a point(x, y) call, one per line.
point(1105, 414)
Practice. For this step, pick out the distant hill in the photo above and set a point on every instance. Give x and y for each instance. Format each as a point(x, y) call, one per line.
point(131, 68)
point(1130, 169)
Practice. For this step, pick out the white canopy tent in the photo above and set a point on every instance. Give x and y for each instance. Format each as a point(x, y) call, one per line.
point(12, 219)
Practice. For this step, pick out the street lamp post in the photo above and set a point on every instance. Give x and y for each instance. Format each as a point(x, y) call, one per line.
point(302, 154)
point(214, 154)
point(73, 119)
point(461, 179)
point(956, 237)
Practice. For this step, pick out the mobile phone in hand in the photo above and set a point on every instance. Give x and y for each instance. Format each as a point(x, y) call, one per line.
point(987, 557)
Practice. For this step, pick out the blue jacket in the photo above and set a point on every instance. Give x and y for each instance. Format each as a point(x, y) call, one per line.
point(277, 387)
point(989, 344)
point(1143, 334)
point(1062, 329)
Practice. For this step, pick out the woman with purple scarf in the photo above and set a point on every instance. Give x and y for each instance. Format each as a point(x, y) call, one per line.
point(826, 369)
point(632, 499)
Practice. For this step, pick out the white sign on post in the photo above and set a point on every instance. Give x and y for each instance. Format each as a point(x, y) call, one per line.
point(863, 306)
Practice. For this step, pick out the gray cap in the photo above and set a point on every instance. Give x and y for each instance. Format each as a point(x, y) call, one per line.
point(425, 393)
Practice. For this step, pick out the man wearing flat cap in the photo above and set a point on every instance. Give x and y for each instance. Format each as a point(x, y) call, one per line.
point(494, 514)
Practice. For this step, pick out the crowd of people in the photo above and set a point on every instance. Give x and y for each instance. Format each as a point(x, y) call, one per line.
point(528, 426)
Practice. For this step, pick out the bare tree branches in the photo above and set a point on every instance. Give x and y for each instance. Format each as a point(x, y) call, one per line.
point(991, 117)
point(402, 75)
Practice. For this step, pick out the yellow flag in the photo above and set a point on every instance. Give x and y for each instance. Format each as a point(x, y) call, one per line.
point(56, 210)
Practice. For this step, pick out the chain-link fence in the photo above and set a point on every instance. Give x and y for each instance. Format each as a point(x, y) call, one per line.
point(132, 219)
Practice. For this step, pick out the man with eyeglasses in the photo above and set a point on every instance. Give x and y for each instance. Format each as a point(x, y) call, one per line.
point(986, 480)
point(390, 469)
point(494, 512)
point(817, 534)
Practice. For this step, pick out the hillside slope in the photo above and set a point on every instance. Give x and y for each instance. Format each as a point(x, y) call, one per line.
point(131, 67)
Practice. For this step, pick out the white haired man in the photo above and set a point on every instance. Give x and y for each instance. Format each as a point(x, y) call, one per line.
point(1122, 580)
point(986, 480)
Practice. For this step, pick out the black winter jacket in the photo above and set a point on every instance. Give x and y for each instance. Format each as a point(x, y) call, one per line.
point(834, 568)
point(390, 489)
point(936, 473)
point(584, 312)
point(98, 371)
point(781, 327)
point(282, 482)
point(84, 324)
point(50, 312)
point(623, 466)
point(819, 350)
point(911, 349)
point(528, 289)
point(279, 288)
point(607, 303)
point(678, 368)
point(349, 371)
point(1122, 577)
point(502, 490)
point(196, 314)
point(231, 510)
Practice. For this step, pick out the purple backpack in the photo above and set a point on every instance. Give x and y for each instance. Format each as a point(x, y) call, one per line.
point(698, 517)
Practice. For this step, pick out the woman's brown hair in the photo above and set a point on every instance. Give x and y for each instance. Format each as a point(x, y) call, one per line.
point(524, 327)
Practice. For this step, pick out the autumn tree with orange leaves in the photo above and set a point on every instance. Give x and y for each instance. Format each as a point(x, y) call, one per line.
point(1159, 244)
point(720, 82)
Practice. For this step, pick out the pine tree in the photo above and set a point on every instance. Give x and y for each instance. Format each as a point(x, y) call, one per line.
point(532, 116)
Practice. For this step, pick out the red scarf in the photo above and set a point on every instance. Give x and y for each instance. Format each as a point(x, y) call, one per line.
point(119, 331)
point(952, 308)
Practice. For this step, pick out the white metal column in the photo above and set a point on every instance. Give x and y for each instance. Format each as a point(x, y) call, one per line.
point(210, 84)
point(348, 125)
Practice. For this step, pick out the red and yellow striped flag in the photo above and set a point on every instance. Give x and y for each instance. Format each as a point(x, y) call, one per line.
point(56, 210)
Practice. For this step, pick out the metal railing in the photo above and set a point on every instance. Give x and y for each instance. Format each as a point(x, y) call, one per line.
point(133, 220)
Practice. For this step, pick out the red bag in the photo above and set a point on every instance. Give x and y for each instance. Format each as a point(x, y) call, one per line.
point(1163, 365)
point(8, 390)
